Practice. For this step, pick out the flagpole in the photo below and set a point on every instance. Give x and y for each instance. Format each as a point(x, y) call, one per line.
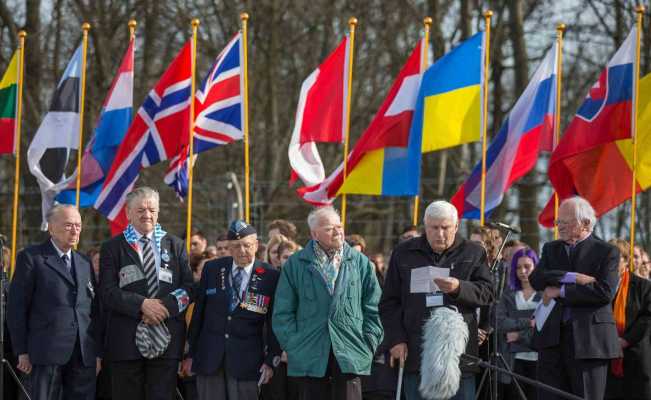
point(244, 17)
point(132, 29)
point(85, 28)
point(19, 111)
point(427, 22)
point(560, 29)
point(636, 87)
point(484, 120)
point(193, 80)
point(352, 23)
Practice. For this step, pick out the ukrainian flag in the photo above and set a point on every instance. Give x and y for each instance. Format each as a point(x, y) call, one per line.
point(448, 109)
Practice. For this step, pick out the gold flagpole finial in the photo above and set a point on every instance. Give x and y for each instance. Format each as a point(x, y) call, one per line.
point(488, 13)
point(244, 16)
point(427, 21)
point(133, 23)
point(195, 22)
point(22, 34)
point(352, 21)
point(640, 9)
point(85, 26)
point(561, 27)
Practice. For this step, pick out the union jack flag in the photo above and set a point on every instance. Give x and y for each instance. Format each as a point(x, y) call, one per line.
point(158, 132)
point(218, 109)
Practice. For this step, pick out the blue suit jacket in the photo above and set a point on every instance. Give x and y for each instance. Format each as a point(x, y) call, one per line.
point(48, 308)
point(237, 338)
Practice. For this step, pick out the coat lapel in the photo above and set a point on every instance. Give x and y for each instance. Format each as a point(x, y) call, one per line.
point(52, 260)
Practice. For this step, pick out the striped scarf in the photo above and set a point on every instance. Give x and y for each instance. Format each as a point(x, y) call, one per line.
point(151, 340)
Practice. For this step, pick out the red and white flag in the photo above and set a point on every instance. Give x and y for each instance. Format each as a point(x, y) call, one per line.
point(320, 115)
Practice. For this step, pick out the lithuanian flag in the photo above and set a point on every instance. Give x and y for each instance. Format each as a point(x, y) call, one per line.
point(8, 95)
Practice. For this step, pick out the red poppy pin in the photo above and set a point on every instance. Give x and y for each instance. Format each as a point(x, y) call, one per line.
point(259, 270)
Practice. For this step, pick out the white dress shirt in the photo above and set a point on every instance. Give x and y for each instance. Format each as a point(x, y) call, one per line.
point(246, 275)
point(152, 243)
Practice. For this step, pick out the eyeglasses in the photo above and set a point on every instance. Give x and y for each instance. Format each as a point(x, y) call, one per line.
point(70, 226)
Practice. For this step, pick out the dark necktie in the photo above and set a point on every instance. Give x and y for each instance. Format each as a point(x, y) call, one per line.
point(235, 290)
point(66, 262)
point(149, 266)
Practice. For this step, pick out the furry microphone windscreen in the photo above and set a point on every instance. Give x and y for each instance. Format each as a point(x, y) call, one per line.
point(445, 336)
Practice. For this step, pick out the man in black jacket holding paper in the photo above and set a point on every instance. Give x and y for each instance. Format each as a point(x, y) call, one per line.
point(404, 308)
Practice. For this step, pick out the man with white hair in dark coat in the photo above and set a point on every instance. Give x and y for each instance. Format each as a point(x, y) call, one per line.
point(404, 310)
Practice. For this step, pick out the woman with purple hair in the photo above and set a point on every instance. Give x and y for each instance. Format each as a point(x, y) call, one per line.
point(514, 317)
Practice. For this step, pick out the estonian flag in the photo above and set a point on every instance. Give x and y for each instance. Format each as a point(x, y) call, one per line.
point(49, 152)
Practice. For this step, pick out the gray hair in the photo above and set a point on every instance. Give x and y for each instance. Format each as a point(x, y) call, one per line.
point(56, 209)
point(315, 215)
point(583, 211)
point(143, 192)
point(441, 209)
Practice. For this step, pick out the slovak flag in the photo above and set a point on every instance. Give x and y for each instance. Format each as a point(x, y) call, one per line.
point(218, 112)
point(374, 164)
point(159, 131)
point(528, 129)
point(320, 115)
point(112, 124)
point(586, 161)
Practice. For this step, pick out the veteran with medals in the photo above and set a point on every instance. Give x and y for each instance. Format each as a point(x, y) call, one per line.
point(231, 322)
point(145, 286)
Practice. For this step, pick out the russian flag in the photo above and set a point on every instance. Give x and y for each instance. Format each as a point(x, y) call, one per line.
point(112, 124)
point(514, 151)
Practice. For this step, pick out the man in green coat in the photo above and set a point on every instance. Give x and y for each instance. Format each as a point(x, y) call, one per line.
point(326, 312)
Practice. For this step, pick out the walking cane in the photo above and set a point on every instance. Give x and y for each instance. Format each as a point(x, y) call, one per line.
point(401, 372)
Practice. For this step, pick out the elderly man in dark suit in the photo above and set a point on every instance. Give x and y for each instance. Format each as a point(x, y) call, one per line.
point(404, 310)
point(145, 286)
point(579, 274)
point(230, 319)
point(49, 313)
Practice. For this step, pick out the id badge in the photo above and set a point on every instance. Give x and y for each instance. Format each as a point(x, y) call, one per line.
point(165, 275)
point(434, 300)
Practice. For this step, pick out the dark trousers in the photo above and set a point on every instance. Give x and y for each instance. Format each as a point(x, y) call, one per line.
point(144, 379)
point(72, 381)
point(281, 387)
point(559, 368)
point(335, 385)
point(528, 369)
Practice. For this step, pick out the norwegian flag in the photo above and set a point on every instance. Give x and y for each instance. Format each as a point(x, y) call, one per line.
point(218, 109)
point(158, 132)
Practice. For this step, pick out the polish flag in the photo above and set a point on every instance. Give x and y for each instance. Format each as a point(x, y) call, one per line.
point(320, 115)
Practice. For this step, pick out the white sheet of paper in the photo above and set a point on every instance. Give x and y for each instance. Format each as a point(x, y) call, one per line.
point(542, 313)
point(422, 279)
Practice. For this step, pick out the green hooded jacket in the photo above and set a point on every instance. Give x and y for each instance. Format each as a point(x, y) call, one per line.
point(309, 322)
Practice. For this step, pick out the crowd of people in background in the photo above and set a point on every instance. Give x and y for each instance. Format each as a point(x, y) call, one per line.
point(314, 349)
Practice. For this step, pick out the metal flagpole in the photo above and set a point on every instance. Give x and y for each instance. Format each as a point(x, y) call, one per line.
point(427, 22)
point(560, 29)
point(84, 51)
point(484, 112)
point(245, 126)
point(19, 111)
point(193, 67)
point(636, 87)
point(352, 23)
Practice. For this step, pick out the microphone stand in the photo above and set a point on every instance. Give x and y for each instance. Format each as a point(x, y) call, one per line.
point(533, 382)
point(4, 363)
point(495, 356)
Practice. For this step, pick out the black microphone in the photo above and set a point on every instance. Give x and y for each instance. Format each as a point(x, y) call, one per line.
point(502, 225)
